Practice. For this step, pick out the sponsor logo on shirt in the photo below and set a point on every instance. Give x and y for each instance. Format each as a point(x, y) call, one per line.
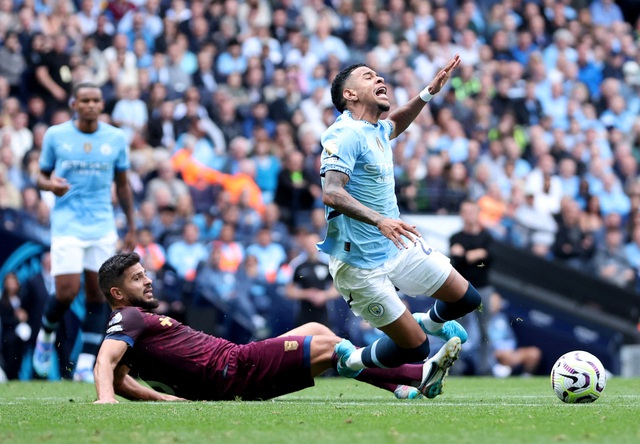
point(290, 345)
point(165, 321)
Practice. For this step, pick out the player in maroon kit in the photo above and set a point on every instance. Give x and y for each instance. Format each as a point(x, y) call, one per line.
point(180, 363)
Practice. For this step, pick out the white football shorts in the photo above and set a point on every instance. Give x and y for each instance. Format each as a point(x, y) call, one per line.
point(371, 294)
point(70, 255)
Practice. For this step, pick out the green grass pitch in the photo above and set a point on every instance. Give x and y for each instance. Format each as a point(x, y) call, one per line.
point(472, 410)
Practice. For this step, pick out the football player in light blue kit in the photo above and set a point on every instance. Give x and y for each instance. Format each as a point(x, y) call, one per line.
point(372, 251)
point(87, 156)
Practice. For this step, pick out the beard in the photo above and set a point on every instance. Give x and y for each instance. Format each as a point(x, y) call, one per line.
point(384, 107)
point(149, 304)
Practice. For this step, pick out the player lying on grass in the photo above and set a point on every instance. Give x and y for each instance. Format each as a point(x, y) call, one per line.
point(180, 363)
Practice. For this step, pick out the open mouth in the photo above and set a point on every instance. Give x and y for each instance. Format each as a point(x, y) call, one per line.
point(148, 292)
point(381, 92)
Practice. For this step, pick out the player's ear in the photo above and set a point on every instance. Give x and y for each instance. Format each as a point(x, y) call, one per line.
point(349, 95)
point(116, 294)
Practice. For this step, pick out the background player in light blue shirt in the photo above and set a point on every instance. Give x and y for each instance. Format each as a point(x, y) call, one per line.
point(87, 156)
point(373, 252)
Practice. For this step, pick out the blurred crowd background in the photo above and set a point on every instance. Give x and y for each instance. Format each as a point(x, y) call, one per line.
point(224, 103)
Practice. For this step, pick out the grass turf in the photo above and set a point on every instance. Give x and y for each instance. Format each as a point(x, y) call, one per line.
point(472, 410)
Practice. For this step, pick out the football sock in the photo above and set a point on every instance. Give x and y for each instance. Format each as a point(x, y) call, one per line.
point(53, 313)
point(385, 353)
point(93, 327)
point(448, 311)
point(390, 378)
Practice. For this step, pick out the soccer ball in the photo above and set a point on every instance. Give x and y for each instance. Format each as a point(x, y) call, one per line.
point(578, 377)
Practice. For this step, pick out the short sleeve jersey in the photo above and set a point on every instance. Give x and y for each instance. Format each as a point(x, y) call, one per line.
point(88, 161)
point(169, 356)
point(362, 151)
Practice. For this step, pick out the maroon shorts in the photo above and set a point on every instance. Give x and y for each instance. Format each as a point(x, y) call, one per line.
point(269, 368)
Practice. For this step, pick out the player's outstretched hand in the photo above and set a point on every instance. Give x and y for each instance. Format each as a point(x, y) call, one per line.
point(397, 229)
point(59, 186)
point(443, 75)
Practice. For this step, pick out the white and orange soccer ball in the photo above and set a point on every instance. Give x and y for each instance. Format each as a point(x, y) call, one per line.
point(578, 377)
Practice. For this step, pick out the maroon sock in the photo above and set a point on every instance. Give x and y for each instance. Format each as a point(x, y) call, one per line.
point(390, 378)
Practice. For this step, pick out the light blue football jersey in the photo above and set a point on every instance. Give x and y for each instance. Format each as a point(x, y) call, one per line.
point(362, 151)
point(88, 162)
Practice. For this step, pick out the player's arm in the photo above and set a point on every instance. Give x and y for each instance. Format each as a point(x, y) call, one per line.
point(335, 196)
point(110, 354)
point(127, 387)
point(407, 113)
point(125, 198)
point(47, 182)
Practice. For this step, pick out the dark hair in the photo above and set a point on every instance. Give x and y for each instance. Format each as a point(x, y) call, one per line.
point(337, 86)
point(110, 273)
point(82, 85)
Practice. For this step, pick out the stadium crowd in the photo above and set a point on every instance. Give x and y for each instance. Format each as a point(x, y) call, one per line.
point(224, 103)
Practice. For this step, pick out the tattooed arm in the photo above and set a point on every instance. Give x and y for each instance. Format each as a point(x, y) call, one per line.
point(335, 196)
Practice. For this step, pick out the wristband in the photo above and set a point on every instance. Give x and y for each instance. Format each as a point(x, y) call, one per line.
point(425, 95)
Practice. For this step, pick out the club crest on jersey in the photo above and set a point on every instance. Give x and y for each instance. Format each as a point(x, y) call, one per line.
point(290, 345)
point(380, 145)
point(376, 310)
point(87, 147)
point(105, 149)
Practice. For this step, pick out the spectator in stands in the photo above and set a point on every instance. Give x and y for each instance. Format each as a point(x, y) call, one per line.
point(509, 357)
point(219, 288)
point(167, 181)
point(130, 113)
point(185, 255)
point(312, 285)
point(534, 229)
point(53, 72)
point(231, 253)
point(296, 192)
point(612, 197)
point(12, 63)
point(470, 253)
point(270, 255)
point(572, 245)
point(610, 261)
point(14, 330)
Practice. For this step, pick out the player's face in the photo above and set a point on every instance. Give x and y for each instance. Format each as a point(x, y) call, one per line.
point(88, 103)
point(370, 88)
point(137, 288)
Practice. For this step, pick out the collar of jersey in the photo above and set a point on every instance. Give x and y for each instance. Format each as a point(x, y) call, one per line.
point(375, 125)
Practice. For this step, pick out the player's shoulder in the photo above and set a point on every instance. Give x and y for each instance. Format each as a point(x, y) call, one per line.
point(343, 127)
point(60, 128)
point(127, 313)
point(108, 129)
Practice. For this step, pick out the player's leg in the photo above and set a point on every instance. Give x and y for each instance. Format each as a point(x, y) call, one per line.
point(96, 313)
point(310, 329)
point(424, 271)
point(66, 268)
point(371, 295)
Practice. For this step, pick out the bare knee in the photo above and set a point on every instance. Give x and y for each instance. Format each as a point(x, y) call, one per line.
point(321, 351)
point(315, 328)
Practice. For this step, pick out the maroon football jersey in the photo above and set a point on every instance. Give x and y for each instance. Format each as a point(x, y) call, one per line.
point(169, 356)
